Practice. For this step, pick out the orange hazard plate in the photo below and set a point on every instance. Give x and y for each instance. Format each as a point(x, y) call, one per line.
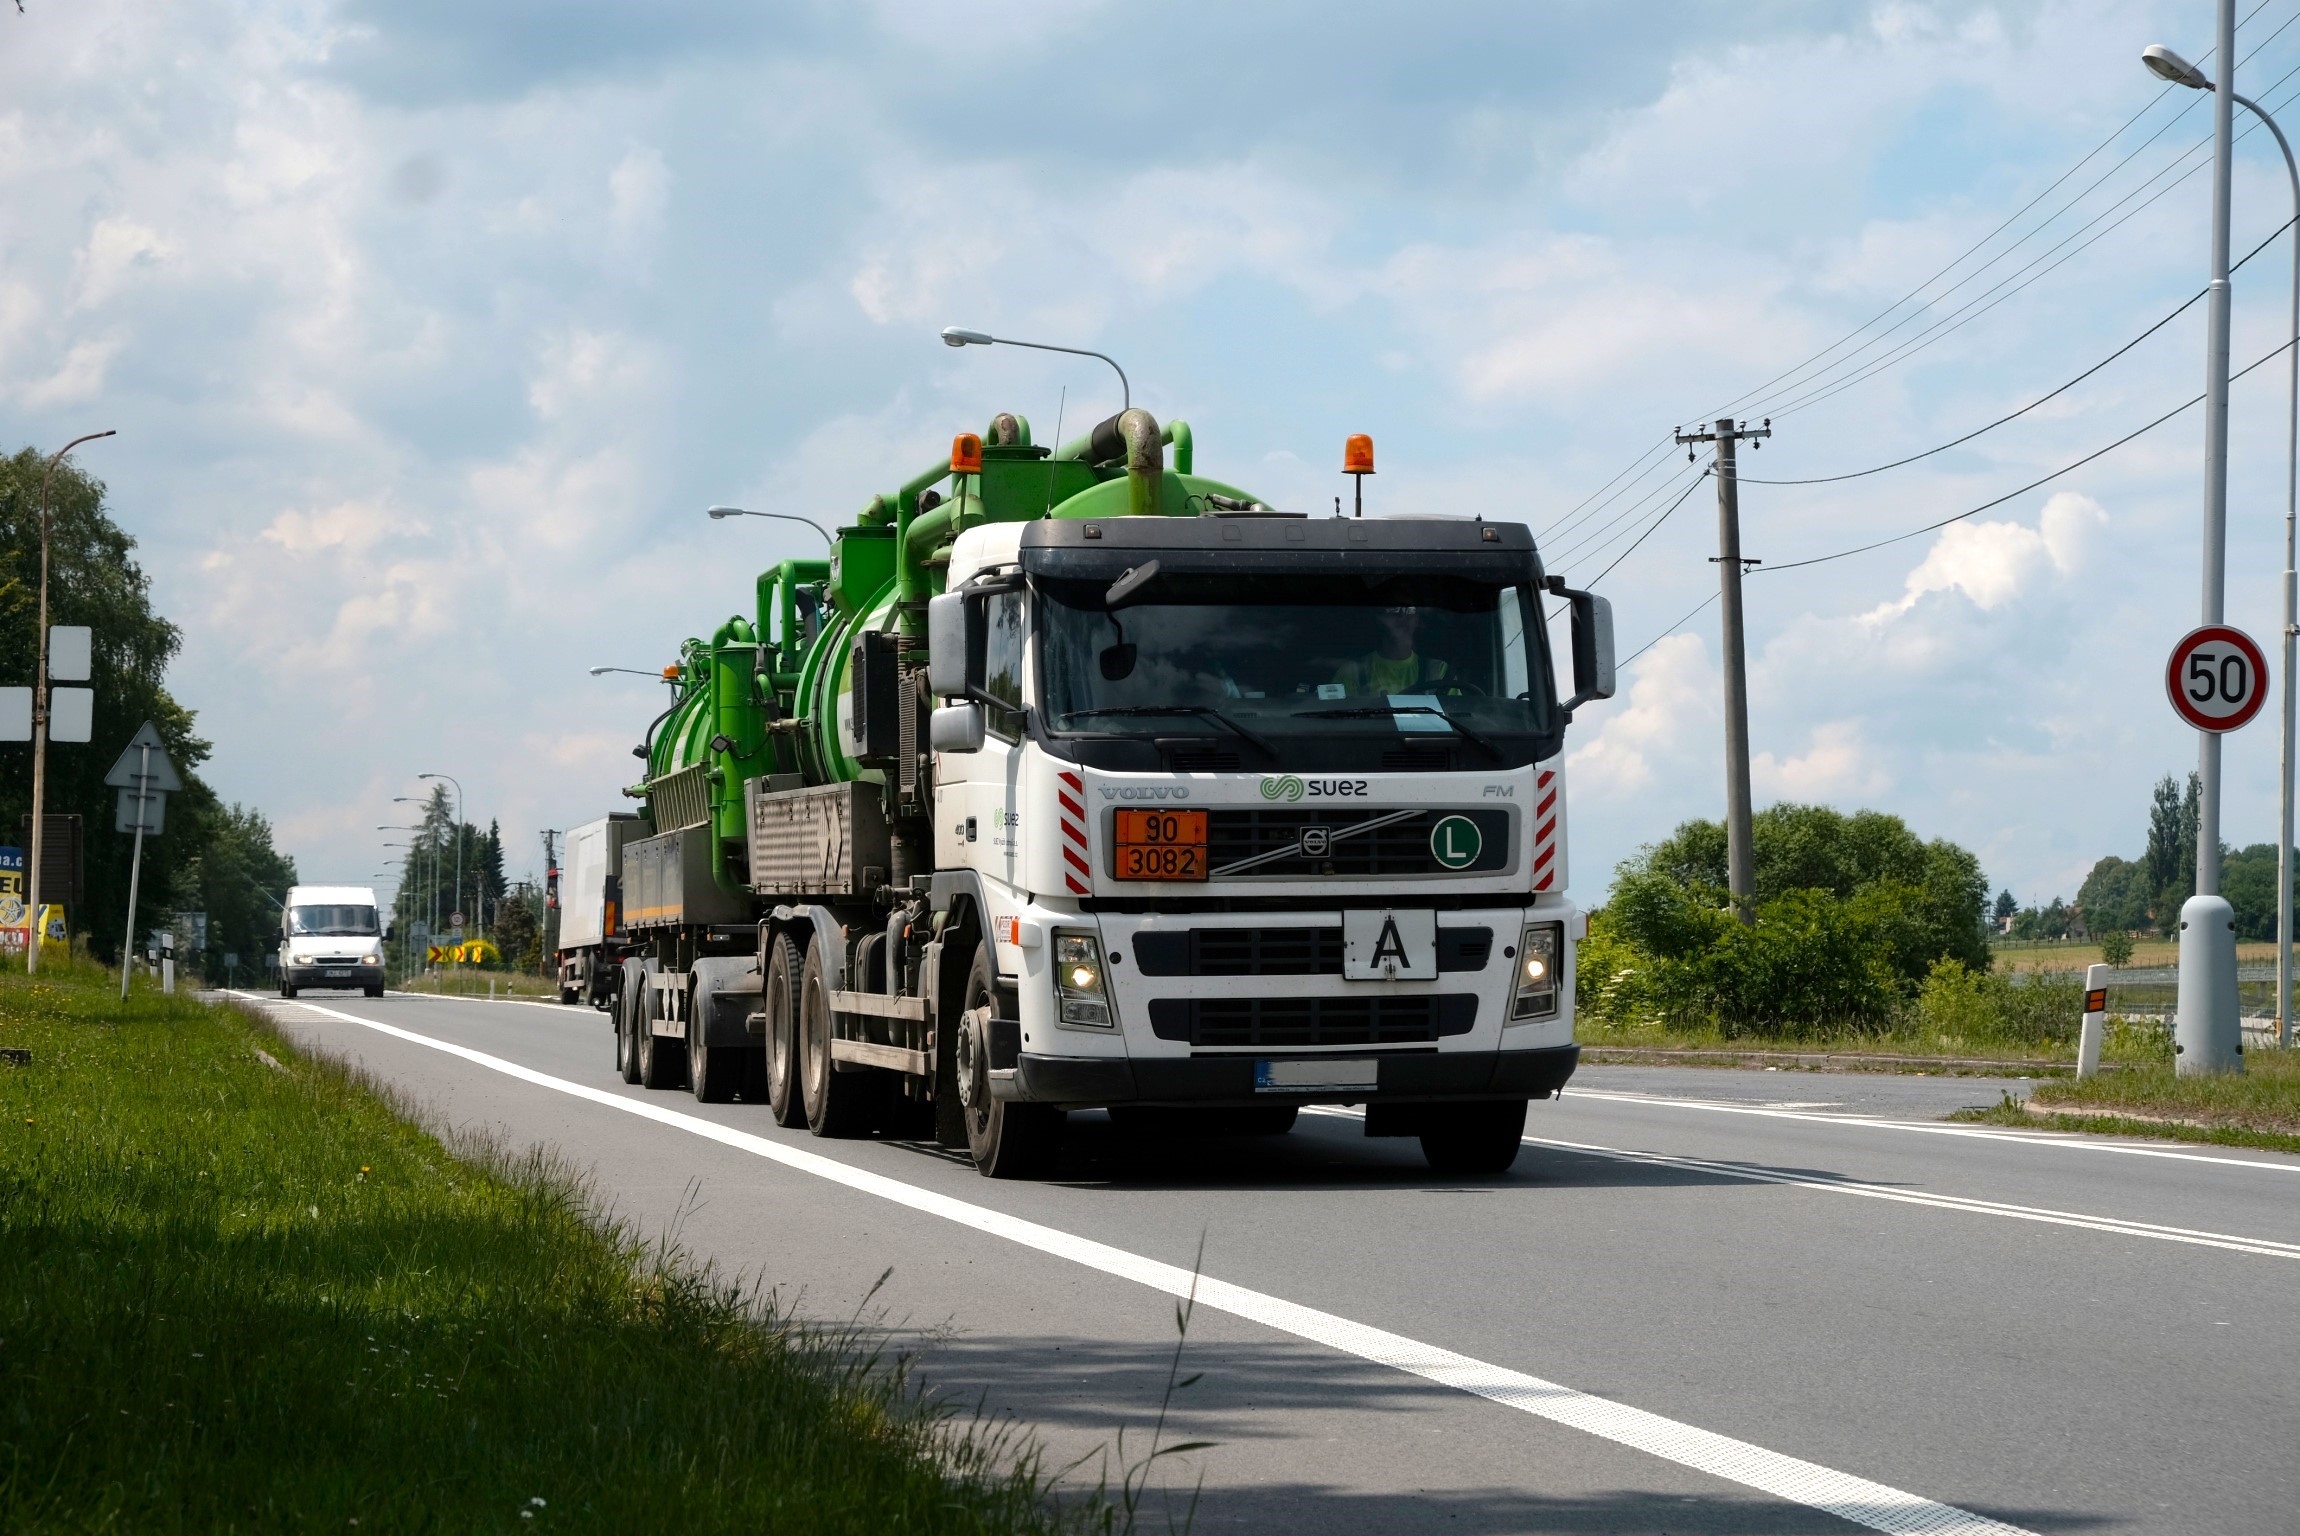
point(1161, 845)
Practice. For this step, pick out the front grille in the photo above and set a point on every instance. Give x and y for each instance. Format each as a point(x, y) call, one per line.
point(1417, 759)
point(1387, 1019)
point(1402, 847)
point(1202, 760)
point(1282, 951)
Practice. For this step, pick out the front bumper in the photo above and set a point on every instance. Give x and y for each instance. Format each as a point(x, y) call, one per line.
point(347, 977)
point(1085, 1082)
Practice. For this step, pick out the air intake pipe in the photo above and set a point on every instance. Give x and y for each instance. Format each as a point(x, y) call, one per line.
point(1131, 435)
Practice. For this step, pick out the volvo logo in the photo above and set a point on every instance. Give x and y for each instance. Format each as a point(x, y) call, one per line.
point(1147, 792)
point(1317, 842)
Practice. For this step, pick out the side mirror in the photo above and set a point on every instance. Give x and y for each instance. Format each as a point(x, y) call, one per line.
point(949, 645)
point(1592, 645)
point(957, 728)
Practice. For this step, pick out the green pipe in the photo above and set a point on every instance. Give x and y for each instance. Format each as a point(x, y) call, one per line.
point(735, 715)
point(1178, 433)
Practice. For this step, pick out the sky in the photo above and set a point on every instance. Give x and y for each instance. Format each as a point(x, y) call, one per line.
point(429, 329)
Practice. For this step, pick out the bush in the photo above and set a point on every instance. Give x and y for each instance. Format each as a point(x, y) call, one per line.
point(1976, 1005)
point(2116, 948)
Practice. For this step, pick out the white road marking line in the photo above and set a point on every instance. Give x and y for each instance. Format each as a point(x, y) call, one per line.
point(2068, 1141)
point(2267, 1246)
point(1850, 1498)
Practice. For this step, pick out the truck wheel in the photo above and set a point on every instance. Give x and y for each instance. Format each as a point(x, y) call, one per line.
point(624, 1000)
point(1009, 1140)
point(786, 1101)
point(838, 1103)
point(1478, 1138)
point(662, 1060)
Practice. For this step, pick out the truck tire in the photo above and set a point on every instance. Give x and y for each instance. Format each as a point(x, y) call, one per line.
point(625, 1000)
point(1008, 1140)
point(714, 1072)
point(839, 1104)
point(1478, 1138)
point(786, 1101)
point(662, 1060)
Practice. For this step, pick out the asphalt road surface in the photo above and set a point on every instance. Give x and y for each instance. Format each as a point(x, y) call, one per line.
point(1702, 1301)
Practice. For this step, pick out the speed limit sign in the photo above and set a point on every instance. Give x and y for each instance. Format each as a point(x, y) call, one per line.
point(2218, 679)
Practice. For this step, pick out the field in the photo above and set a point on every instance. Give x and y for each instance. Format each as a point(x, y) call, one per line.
point(2075, 955)
point(238, 1291)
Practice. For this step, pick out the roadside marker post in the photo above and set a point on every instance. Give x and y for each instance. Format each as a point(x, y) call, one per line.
point(2095, 1026)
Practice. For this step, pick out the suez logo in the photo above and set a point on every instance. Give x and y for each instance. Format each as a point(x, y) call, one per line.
point(1288, 786)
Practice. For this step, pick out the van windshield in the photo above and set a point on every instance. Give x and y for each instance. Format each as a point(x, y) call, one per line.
point(344, 921)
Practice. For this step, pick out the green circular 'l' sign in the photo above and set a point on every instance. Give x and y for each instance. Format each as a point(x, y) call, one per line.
point(1455, 842)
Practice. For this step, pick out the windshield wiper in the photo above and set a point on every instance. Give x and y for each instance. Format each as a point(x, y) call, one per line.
point(1204, 711)
point(1370, 711)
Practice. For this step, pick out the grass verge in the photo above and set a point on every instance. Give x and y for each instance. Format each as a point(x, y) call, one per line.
point(1913, 1047)
point(479, 984)
point(240, 1294)
point(2258, 1107)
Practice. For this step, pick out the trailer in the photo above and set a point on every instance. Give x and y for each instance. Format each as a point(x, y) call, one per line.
point(590, 894)
point(1074, 779)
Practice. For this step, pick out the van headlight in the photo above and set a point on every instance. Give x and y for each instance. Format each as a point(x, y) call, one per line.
point(1537, 962)
point(1078, 981)
point(374, 957)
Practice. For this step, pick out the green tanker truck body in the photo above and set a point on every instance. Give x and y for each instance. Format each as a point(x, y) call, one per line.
point(1077, 780)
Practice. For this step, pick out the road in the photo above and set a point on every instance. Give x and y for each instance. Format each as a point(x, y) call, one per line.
point(1702, 1302)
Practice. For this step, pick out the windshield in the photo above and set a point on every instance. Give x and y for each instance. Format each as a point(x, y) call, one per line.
point(1435, 660)
point(345, 921)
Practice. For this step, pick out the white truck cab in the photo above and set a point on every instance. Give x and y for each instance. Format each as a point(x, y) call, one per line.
point(330, 937)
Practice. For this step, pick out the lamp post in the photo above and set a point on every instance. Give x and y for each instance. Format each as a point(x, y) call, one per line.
point(719, 514)
point(959, 336)
point(667, 675)
point(449, 778)
point(431, 887)
point(2167, 65)
point(40, 726)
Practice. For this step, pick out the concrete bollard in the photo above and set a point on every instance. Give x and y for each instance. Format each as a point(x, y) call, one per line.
point(168, 974)
point(491, 989)
point(2207, 1035)
point(2095, 1027)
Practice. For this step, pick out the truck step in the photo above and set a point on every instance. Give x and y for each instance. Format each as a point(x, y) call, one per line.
point(868, 1053)
point(878, 1005)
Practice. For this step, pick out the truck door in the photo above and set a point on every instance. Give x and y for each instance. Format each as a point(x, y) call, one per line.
point(976, 804)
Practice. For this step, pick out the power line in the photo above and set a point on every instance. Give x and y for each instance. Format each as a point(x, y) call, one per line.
point(2032, 485)
point(1599, 536)
point(1671, 630)
point(2182, 309)
point(1757, 399)
point(1657, 522)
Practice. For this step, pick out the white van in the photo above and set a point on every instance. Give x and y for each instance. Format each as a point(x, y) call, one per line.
point(329, 937)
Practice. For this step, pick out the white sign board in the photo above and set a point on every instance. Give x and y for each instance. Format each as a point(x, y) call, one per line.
point(71, 714)
point(69, 651)
point(15, 714)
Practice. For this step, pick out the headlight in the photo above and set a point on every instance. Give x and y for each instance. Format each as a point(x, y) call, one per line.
point(375, 958)
point(1537, 955)
point(1078, 980)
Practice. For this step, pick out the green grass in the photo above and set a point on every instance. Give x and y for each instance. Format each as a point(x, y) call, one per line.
point(238, 1297)
point(2076, 954)
point(470, 983)
point(1911, 1038)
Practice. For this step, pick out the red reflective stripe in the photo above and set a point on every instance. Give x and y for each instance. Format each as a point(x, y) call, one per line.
point(1072, 806)
point(1073, 780)
point(1548, 800)
point(1074, 832)
point(1076, 862)
point(1542, 833)
point(1544, 856)
point(1541, 781)
point(1075, 888)
point(1542, 884)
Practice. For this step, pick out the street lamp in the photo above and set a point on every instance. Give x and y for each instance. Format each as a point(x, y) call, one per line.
point(959, 336)
point(667, 675)
point(450, 778)
point(2167, 65)
point(720, 514)
point(40, 729)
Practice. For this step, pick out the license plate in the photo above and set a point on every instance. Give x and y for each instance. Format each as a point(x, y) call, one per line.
point(1389, 945)
point(337, 975)
point(1315, 1076)
point(1161, 845)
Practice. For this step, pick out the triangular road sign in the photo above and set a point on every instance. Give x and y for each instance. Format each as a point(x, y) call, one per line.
point(129, 771)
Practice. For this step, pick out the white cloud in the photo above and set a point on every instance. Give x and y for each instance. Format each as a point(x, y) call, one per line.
point(1837, 767)
point(1671, 713)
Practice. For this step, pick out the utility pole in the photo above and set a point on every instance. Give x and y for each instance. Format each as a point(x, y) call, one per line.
point(1740, 857)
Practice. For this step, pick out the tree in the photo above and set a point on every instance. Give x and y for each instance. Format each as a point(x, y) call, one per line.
point(1814, 848)
point(94, 580)
point(2248, 880)
point(240, 881)
point(2005, 907)
point(2116, 948)
point(2117, 896)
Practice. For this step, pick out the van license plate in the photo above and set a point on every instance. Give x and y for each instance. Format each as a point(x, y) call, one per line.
point(1315, 1076)
point(338, 975)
